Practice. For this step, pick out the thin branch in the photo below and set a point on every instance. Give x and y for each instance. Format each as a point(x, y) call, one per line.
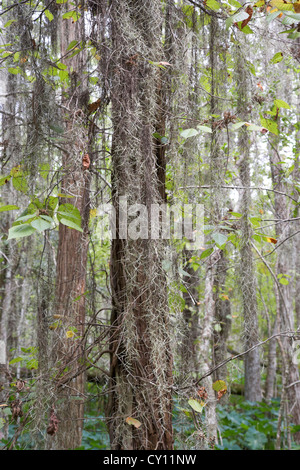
point(211, 371)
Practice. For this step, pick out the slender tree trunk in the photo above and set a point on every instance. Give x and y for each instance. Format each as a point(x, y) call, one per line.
point(284, 299)
point(253, 390)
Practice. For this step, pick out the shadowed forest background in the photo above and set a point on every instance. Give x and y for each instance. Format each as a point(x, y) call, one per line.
point(146, 343)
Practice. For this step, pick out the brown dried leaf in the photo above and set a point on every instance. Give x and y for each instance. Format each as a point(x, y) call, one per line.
point(86, 161)
point(133, 422)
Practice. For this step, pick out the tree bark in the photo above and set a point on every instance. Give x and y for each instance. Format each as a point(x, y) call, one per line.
point(141, 360)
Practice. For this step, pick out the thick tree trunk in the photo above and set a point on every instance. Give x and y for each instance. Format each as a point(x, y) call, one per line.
point(141, 359)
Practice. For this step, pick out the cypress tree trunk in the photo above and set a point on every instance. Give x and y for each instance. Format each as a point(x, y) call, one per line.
point(141, 360)
point(72, 251)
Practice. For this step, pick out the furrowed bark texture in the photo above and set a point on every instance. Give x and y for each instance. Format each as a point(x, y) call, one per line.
point(141, 364)
point(72, 254)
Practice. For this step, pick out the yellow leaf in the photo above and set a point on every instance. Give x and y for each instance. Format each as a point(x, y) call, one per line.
point(271, 240)
point(197, 405)
point(70, 334)
point(133, 422)
point(297, 7)
point(219, 385)
point(225, 297)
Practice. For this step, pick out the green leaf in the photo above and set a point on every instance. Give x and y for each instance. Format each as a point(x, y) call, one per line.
point(44, 170)
point(270, 125)
point(247, 30)
point(220, 239)
point(9, 23)
point(196, 405)
point(281, 5)
point(71, 224)
point(8, 208)
point(236, 18)
point(49, 15)
point(284, 281)
point(4, 180)
point(217, 327)
point(281, 104)
point(204, 129)
point(213, 5)
point(295, 16)
point(237, 125)
point(40, 224)
point(254, 127)
point(14, 70)
point(74, 15)
point(188, 133)
point(68, 211)
point(48, 219)
point(272, 16)
point(20, 231)
point(16, 360)
point(235, 4)
point(277, 58)
point(72, 44)
point(22, 218)
point(206, 253)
